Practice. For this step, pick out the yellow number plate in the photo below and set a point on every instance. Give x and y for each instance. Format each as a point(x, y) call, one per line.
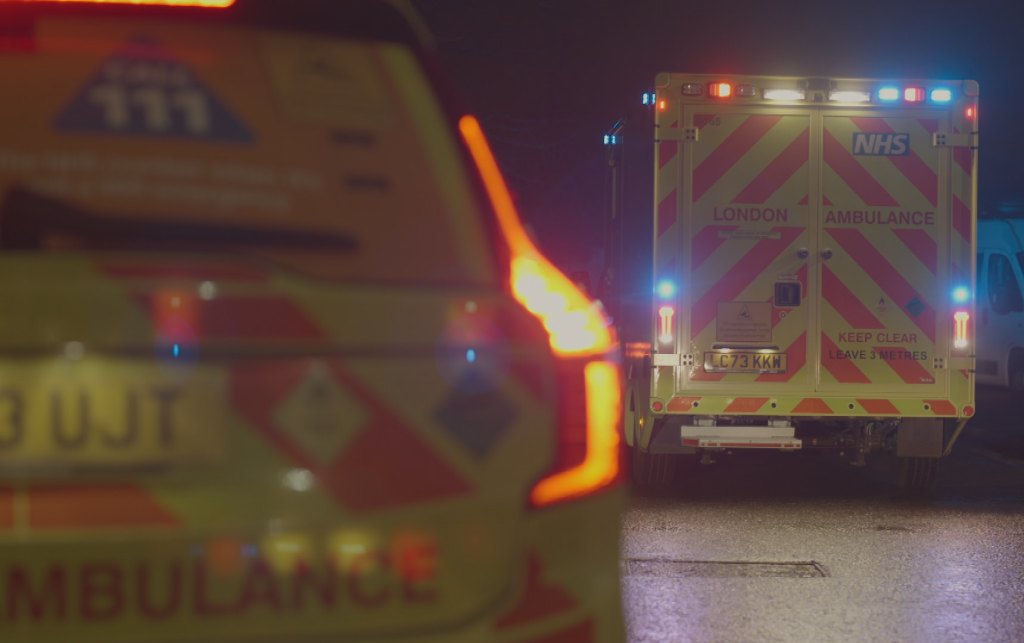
point(744, 362)
point(103, 412)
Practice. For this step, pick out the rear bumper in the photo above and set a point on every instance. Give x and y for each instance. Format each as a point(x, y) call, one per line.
point(825, 407)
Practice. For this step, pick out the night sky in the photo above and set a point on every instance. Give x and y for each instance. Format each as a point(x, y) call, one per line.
point(549, 77)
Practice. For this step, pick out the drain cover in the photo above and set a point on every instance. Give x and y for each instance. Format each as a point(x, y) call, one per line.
point(717, 569)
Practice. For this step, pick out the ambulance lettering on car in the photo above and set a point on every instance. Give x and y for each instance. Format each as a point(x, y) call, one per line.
point(826, 223)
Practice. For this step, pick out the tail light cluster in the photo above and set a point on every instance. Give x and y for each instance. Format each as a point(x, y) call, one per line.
point(581, 340)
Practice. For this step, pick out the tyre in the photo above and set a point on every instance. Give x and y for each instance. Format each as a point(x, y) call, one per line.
point(915, 473)
point(1017, 379)
point(653, 470)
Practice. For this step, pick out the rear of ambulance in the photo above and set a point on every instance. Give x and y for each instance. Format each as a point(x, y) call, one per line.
point(278, 361)
point(814, 266)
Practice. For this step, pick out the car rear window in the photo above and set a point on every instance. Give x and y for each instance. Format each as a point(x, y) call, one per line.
point(243, 139)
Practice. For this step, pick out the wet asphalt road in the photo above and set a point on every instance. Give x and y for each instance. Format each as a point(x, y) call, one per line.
point(796, 547)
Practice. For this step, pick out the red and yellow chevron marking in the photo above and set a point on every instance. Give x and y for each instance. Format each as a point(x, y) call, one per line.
point(815, 406)
point(891, 232)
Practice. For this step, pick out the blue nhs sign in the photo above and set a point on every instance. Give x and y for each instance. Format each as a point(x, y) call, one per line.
point(875, 144)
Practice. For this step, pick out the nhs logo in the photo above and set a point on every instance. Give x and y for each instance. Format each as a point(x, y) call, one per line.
point(872, 144)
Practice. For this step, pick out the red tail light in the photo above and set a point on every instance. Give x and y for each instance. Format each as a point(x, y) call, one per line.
point(961, 334)
point(580, 337)
point(720, 90)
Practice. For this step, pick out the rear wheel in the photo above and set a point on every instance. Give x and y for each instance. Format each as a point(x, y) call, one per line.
point(653, 470)
point(914, 472)
point(1017, 379)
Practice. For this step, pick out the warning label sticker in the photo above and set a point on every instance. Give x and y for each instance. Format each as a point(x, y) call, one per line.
point(143, 91)
point(744, 321)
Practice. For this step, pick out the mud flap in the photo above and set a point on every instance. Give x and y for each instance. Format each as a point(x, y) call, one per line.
point(919, 438)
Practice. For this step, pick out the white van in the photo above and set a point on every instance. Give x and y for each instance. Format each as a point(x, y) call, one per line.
point(1001, 303)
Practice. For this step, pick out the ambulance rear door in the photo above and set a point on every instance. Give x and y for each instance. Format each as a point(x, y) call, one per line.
point(747, 240)
point(883, 263)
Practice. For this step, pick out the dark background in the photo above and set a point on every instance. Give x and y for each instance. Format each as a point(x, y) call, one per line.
point(548, 78)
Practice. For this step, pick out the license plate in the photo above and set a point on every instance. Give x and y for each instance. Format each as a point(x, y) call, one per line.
point(744, 362)
point(103, 412)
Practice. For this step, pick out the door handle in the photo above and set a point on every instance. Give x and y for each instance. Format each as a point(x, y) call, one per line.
point(826, 254)
point(803, 253)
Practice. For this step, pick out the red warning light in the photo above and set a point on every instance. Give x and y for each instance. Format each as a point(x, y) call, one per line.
point(913, 94)
point(720, 90)
point(662, 105)
point(970, 112)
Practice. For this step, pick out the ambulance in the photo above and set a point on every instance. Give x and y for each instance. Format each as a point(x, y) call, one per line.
point(813, 272)
point(278, 360)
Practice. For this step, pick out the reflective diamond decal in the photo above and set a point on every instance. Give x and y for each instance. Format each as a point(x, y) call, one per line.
point(476, 421)
point(320, 416)
point(915, 307)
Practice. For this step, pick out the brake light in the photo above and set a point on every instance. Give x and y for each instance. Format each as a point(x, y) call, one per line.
point(215, 4)
point(576, 325)
point(666, 314)
point(960, 336)
point(578, 331)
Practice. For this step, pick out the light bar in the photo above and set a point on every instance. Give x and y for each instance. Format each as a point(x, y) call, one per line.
point(960, 340)
point(785, 94)
point(913, 94)
point(849, 96)
point(212, 4)
point(692, 89)
point(889, 93)
point(666, 313)
point(720, 90)
point(746, 91)
point(941, 95)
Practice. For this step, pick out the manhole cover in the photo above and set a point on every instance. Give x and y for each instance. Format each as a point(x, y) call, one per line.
point(718, 569)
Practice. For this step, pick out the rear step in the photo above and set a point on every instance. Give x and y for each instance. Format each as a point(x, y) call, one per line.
point(705, 435)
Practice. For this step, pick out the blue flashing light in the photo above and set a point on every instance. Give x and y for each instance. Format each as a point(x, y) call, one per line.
point(666, 289)
point(177, 350)
point(961, 294)
point(611, 140)
point(889, 93)
point(647, 99)
point(471, 356)
point(941, 95)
